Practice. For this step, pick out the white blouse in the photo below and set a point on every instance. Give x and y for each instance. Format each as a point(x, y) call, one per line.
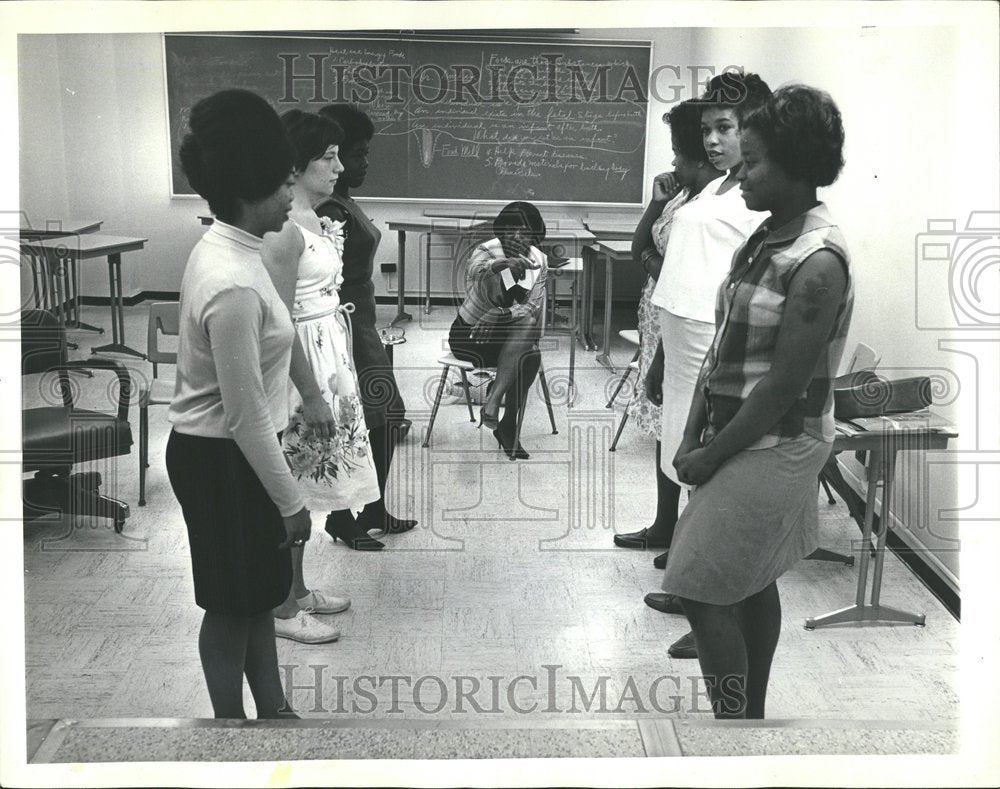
point(705, 233)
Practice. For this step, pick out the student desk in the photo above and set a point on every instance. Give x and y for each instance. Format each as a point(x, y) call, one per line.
point(571, 234)
point(93, 245)
point(610, 252)
point(882, 446)
point(58, 290)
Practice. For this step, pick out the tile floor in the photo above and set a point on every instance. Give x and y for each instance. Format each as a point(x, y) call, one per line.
point(510, 573)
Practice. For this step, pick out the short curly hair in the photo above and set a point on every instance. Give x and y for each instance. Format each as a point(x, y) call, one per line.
point(311, 135)
point(738, 90)
point(803, 132)
point(523, 215)
point(237, 149)
point(685, 130)
point(352, 119)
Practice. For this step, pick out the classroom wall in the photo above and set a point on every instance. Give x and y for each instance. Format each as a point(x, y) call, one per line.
point(100, 101)
point(94, 145)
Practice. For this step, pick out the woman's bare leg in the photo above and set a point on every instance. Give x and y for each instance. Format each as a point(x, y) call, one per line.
point(520, 340)
point(262, 669)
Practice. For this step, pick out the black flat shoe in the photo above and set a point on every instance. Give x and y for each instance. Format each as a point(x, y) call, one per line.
point(660, 562)
point(664, 603)
point(638, 539)
point(684, 648)
point(349, 532)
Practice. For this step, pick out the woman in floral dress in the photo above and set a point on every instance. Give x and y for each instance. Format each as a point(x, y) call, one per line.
point(326, 439)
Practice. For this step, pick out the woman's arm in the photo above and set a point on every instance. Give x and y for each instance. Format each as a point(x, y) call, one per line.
point(814, 297)
point(644, 252)
point(281, 253)
point(233, 321)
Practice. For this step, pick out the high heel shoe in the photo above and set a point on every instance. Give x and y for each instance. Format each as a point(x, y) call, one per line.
point(514, 453)
point(350, 532)
point(485, 420)
point(386, 524)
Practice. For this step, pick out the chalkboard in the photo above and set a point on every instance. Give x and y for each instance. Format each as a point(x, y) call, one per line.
point(558, 121)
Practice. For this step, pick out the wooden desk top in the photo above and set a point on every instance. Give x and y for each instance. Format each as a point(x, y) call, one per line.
point(612, 231)
point(911, 437)
point(563, 231)
point(61, 227)
point(90, 245)
point(616, 249)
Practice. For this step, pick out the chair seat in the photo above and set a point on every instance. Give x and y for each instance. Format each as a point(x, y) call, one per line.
point(454, 361)
point(629, 335)
point(60, 437)
point(634, 365)
point(159, 391)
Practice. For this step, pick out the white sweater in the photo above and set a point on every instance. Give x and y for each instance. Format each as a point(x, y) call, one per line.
point(233, 357)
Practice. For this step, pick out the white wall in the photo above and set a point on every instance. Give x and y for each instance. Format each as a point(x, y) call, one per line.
point(94, 145)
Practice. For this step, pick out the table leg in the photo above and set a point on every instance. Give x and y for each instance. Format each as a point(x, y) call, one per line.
point(605, 355)
point(589, 258)
point(401, 314)
point(427, 273)
point(74, 299)
point(117, 345)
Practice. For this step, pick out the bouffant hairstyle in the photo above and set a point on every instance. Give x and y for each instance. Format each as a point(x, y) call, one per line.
point(685, 130)
point(737, 90)
point(354, 121)
point(520, 214)
point(311, 135)
point(237, 149)
point(803, 132)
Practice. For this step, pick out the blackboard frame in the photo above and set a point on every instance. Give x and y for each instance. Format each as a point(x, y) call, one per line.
point(556, 38)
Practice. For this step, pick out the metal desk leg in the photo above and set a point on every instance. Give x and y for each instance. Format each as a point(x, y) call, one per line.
point(427, 272)
point(881, 612)
point(605, 355)
point(54, 271)
point(589, 256)
point(882, 464)
point(74, 300)
point(401, 314)
point(117, 312)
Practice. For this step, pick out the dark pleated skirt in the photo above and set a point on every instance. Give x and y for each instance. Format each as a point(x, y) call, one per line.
point(234, 528)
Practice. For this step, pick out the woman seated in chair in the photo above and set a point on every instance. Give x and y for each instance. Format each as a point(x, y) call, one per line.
point(499, 322)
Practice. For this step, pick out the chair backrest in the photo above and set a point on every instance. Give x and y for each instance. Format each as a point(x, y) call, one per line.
point(43, 342)
point(863, 358)
point(164, 318)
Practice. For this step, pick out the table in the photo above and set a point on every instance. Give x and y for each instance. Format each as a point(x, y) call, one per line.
point(565, 231)
point(882, 446)
point(93, 245)
point(68, 281)
point(611, 252)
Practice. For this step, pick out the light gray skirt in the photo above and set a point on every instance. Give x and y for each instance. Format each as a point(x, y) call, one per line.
point(746, 526)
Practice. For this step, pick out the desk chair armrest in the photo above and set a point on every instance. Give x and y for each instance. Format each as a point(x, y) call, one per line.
point(120, 371)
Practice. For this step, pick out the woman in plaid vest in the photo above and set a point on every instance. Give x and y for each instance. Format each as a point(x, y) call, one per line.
point(760, 426)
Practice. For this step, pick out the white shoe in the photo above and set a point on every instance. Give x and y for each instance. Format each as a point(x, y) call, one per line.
point(319, 603)
point(305, 629)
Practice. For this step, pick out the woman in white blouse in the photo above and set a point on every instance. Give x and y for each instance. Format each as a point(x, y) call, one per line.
point(704, 235)
point(242, 508)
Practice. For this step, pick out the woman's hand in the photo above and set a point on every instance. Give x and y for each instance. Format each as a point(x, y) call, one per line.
point(297, 528)
point(318, 416)
point(665, 187)
point(695, 466)
point(518, 265)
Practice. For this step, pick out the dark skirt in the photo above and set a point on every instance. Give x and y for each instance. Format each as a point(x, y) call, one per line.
point(234, 528)
point(377, 384)
point(481, 354)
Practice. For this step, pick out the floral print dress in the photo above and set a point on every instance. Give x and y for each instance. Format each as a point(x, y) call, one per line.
point(335, 473)
point(647, 414)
